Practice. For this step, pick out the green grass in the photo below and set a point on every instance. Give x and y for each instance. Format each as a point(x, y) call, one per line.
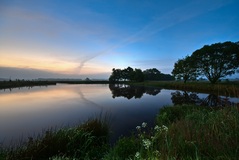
point(87, 141)
point(184, 132)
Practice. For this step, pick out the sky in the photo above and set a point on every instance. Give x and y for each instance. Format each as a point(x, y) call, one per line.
point(87, 38)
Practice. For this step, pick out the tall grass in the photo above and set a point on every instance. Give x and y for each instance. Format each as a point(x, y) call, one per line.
point(86, 141)
point(184, 132)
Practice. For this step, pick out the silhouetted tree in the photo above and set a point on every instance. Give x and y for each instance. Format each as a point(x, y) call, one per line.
point(151, 74)
point(138, 75)
point(116, 75)
point(185, 69)
point(217, 60)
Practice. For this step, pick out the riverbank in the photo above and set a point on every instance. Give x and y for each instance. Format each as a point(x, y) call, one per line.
point(26, 83)
point(230, 89)
point(180, 132)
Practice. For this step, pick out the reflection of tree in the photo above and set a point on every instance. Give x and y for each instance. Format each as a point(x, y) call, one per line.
point(184, 97)
point(127, 91)
point(213, 100)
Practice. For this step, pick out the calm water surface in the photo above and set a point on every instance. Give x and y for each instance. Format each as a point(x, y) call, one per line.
point(27, 112)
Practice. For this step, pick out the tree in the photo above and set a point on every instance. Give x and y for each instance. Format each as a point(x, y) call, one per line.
point(116, 75)
point(185, 69)
point(217, 60)
point(127, 74)
point(138, 75)
point(152, 74)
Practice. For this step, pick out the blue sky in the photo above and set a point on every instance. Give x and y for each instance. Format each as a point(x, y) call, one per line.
point(87, 38)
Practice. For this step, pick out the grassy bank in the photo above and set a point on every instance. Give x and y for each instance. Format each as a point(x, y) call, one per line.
point(180, 132)
point(87, 141)
point(222, 88)
point(183, 132)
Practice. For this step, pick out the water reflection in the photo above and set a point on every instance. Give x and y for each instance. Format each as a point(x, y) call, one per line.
point(211, 100)
point(127, 91)
point(27, 111)
point(184, 97)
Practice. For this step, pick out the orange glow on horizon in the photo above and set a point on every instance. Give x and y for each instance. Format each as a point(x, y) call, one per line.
point(51, 64)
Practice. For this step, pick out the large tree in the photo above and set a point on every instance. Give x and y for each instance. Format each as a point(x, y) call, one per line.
point(127, 74)
point(217, 60)
point(185, 69)
point(152, 74)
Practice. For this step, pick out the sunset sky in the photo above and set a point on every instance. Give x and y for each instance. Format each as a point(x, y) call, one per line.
point(87, 38)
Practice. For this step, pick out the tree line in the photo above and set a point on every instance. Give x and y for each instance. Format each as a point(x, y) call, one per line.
point(137, 75)
point(213, 61)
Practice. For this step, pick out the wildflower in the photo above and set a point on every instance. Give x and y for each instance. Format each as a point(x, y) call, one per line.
point(157, 128)
point(146, 143)
point(144, 124)
point(138, 127)
point(157, 153)
point(165, 128)
point(137, 155)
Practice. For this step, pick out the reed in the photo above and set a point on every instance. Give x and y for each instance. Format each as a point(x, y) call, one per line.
point(89, 140)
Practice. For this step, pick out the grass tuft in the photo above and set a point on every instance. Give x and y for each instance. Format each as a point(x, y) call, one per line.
point(87, 141)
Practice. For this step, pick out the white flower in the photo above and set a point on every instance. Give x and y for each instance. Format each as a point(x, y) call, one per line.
point(138, 127)
point(157, 128)
point(137, 155)
point(146, 143)
point(144, 124)
point(165, 128)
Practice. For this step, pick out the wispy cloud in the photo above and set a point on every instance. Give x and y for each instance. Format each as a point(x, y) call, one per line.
point(162, 22)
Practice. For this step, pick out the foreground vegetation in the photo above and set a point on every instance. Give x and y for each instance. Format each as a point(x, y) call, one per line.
point(184, 132)
point(87, 141)
point(180, 132)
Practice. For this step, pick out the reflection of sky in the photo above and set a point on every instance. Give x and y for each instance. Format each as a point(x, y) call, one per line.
point(28, 111)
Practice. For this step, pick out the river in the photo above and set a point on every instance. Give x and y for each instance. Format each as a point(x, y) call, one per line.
point(28, 112)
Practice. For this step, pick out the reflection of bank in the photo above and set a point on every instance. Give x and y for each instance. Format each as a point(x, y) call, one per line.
point(184, 97)
point(216, 101)
point(127, 91)
point(212, 100)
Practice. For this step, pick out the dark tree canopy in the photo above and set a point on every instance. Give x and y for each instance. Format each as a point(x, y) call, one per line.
point(154, 74)
point(217, 60)
point(136, 75)
point(185, 69)
point(127, 74)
